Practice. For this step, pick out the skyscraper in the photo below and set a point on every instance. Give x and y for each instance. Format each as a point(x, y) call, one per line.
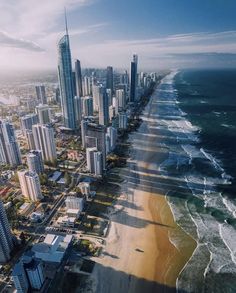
point(98, 163)
point(28, 273)
point(6, 243)
point(20, 278)
point(78, 79)
point(30, 139)
point(41, 94)
point(30, 185)
point(84, 124)
point(134, 78)
point(9, 148)
point(125, 78)
point(87, 103)
point(97, 91)
point(34, 270)
point(94, 161)
point(27, 122)
point(109, 96)
point(44, 140)
point(44, 115)
point(112, 133)
point(66, 81)
point(78, 110)
point(123, 120)
point(120, 94)
point(109, 79)
point(87, 90)
point(74, 83)
point(103, 109)
point(98, 132)
point(35, 161)
point(90, 158)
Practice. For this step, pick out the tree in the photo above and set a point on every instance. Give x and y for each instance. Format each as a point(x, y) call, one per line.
point(15, 178)
point(22, 238)
point(67, 179)
point(43, 179)
point(54, 163)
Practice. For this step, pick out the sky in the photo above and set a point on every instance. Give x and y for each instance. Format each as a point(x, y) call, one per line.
point(164, 33)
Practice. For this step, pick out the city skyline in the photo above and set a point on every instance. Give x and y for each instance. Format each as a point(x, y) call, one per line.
point(162, 33)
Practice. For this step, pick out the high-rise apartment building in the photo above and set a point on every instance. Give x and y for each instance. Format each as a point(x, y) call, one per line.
point(103, 109)
point(44, 114)
point(123, 120)
point(19, 278)
point(30, 139)
point(120, 95)
point(41, 94)
point(6, 243)
point(97, 92)
point(34, 271)
point(27, 122)
point(112, 133)
point(35, 161)
point(98, 169)
point(44, 140)
point(98, 133)
point(9, 148)
point(28, 274)
point(94, 161)
point(87, 86)
point(87, 103)
point(30, 185)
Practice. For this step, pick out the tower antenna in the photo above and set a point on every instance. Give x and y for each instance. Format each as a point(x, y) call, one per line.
point(66, 20)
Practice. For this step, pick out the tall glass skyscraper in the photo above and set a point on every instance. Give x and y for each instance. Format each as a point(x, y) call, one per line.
point(78, 77)
point(109, 79)
point(134, 78)
point(103, 108)
point(66, 81)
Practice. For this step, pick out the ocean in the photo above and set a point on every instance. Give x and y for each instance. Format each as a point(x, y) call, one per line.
point(196, 120)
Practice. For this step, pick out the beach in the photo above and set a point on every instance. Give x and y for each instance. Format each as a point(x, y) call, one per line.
point(145, 249)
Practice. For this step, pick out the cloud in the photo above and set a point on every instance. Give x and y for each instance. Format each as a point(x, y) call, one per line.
point(193, 49)
point(32, 17)
point(36, 25)
point(9, 41)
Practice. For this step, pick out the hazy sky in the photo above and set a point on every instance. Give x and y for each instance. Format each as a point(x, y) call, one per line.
point(164, 33)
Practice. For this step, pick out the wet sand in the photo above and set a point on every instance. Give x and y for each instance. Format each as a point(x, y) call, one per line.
point(140, 255)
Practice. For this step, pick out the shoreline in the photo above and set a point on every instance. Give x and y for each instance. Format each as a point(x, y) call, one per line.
point(150, 262)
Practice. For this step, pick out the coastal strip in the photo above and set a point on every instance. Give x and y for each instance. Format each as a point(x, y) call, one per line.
point(146, 250)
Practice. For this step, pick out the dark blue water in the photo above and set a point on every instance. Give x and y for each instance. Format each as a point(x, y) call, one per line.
point(196, 114)
point(209, 99)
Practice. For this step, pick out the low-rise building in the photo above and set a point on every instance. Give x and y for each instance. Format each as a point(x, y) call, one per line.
point(73, 213)
point(53, 248)
point(84, 188)
point(73, 202)
point(26, 208)
point(55, 177)
point(66, 221)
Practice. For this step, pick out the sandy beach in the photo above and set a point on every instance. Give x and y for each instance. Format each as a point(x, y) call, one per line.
point(146, 250)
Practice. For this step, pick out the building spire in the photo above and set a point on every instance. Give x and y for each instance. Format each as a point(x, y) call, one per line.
point(66, 20)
